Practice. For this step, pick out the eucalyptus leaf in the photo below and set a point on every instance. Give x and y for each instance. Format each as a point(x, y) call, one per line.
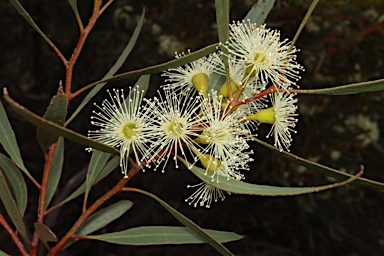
point(56, 113)
point(199, 232)
point(240, 187)
point(102, 218)
point(320, 168)
point(371, 86)
point(57, 129)
point(127, 50)
point(28, 18)
point(3, 253)
point(8, 141)
point(222, 21)
point(45, 233)
point(73, 4)
point(55, 171)
point(16, 181)
point(161, 67)
point(259, 11)
point(157, 235)
point(11, 207)
point(96, 165)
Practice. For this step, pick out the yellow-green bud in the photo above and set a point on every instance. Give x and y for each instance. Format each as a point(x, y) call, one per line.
point(200, 81)
point(224, 89)
point(210, 163)
point(264, 116)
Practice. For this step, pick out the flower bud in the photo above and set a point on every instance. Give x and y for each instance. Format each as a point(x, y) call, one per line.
point(264, 116)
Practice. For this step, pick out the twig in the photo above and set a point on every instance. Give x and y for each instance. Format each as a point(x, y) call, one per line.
point(13, 236)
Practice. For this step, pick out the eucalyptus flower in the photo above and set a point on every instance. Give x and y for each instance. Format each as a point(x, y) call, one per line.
point(124, 124)
point(265, 56)
point(174, 126)
point(282, 117)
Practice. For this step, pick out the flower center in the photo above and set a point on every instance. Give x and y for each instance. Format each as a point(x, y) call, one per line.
point(213, 135)
point(259, 62)
point(175, 128)
point(130, 130)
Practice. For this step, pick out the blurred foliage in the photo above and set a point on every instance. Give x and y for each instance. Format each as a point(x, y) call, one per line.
point(341, 44)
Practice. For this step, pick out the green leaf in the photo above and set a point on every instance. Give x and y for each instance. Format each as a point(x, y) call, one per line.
point(222, 21)
point(45, 233)
point(320, 168)
point(96, 165)
point(371, 86)
point(199, 232)
point(73, 4)
point(11, 207)
point(109, 167)
point(157, 235)
point(161, 67)
point(3, 253)
point(102, 218)
point(55, 171)
point(303, 22)
point(259, 11)
point(8, 141)
point(127, 50)
point(56, 113)
point(28, 18)
point(239, 187)
point(16, 181)
point(57, 129)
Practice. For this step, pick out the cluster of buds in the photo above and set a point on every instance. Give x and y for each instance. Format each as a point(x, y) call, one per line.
point(208, 109)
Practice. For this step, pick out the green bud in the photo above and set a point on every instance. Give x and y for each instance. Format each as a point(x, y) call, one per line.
point(224, 89)
point(200, 81)
point(264, 116)
point(210, 163)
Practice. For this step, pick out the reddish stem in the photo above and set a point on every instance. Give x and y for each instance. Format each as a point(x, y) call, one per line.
point(79, 47)
point(43, 193)
point(13, 236)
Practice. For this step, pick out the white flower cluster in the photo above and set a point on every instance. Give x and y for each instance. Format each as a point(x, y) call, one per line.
point(194, 119)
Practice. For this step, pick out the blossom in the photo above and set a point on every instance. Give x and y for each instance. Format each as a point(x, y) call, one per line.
point(204, 195)
point(222, 133)
point(265, 56)
point(123, 124)
point(282, 117)
point(194, 75)
point(175, 125)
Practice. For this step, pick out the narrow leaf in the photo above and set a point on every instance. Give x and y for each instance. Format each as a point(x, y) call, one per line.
point(56, 113)
point(27, 17)
point(16, 181)
point(109, 167)
point(57, 129)
point(8, 141)
point(239, 187)
point(222, 21)
point(199, 232)
point(102, 218)
point(45, 233)
point(3, 253)
point(321, 168)
point(371, 86)
point(96, 165)
point(127, 50)
point(55, 171)
point(157, 235)
point(259, 11)
point(73, 4)
point(11, 206)
point(161, 67)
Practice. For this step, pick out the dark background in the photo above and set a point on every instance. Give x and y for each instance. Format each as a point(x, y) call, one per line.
point(342, 43)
